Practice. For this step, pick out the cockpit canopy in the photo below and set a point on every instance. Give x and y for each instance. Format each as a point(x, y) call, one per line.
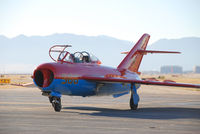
point(78, 57)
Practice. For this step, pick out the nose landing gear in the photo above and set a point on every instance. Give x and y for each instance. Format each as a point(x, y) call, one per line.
point(55, 100)
point(56, 103)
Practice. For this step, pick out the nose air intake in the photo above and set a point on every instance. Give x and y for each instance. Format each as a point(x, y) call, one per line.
point(43, 78)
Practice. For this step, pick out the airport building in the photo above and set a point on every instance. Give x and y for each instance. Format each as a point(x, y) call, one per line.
point(171, 70)
point(197, 69)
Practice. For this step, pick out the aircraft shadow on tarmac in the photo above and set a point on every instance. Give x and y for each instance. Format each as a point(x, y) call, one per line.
point(143, 113)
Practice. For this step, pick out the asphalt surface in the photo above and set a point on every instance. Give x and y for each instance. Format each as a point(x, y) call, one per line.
point(161, 110)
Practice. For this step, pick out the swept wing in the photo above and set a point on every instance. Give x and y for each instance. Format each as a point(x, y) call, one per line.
point(146, 82)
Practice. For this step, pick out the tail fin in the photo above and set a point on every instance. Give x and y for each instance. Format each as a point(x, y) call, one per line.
point(134, 57)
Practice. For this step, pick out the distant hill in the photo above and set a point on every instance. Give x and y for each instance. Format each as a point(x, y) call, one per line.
point(23, 53)
point(33, 50)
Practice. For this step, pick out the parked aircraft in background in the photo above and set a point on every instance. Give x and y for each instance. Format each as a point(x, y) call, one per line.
point(80, 74)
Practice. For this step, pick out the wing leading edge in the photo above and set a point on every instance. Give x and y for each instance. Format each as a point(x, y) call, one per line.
point(146, 82)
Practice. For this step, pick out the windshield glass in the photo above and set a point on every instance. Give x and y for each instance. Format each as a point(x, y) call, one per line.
point(68, 58)
point(62, 54)
point(65, 56)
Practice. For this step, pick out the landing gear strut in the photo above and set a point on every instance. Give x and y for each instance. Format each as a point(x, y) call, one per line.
point(134, 98)
point(50, 99)
point(56, 103)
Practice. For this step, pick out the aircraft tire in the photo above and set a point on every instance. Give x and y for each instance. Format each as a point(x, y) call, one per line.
point(56, 103)
point(132, 105)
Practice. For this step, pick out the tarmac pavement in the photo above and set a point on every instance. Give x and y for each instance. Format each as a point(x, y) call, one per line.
point(161, 110)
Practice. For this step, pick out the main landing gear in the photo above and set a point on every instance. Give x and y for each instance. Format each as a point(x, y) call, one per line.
point(132, 105)
point(55, 101)
point(134, 98)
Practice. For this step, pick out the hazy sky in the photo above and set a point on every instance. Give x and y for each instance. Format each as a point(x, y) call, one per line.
point(123, 19)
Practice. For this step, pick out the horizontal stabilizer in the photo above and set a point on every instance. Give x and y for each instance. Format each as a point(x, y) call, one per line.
point(144, 52)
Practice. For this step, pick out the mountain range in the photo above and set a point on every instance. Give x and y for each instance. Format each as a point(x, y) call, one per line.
point(22, 54)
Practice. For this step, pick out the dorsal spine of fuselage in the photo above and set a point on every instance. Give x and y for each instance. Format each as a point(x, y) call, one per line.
point(133, 59)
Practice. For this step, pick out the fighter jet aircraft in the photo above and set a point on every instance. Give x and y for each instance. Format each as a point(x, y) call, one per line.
point(81, 74)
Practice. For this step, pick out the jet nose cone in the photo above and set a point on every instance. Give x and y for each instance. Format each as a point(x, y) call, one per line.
point(43, 76)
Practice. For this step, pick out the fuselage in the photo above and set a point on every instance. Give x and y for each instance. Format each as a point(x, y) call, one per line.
point(65, 78)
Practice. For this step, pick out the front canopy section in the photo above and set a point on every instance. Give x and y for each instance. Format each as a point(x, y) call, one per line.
point(58, 53)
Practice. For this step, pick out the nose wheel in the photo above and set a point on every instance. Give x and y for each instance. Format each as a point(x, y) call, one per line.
point(56, 103)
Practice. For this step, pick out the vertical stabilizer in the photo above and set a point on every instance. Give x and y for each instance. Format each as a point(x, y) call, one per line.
point(134, 57)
